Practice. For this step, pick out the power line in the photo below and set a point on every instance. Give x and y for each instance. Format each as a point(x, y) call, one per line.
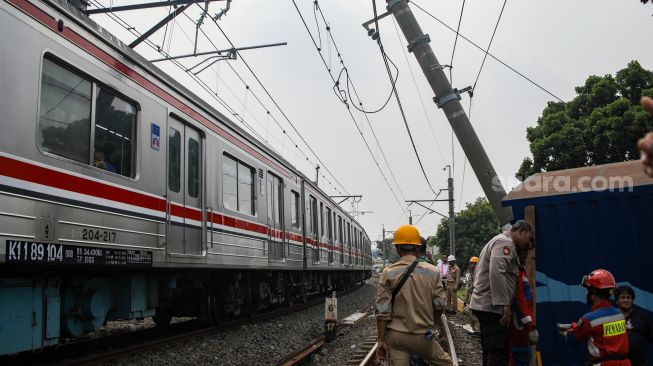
point(489, 54)
point(412, 75)
point(347, 105)
point(460, 19)
point(280, 110)
point(401, 109)
point(489, 44)
point(199, 81)
point(328, 28)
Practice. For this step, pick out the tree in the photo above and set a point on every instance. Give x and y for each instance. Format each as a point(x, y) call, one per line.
point(388, 250)
point(475, 226)
point(600, 125)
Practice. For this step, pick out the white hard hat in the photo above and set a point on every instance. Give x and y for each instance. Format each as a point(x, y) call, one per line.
point(451, 258)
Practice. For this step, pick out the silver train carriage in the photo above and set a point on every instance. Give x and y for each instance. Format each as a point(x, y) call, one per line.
point(123, 195)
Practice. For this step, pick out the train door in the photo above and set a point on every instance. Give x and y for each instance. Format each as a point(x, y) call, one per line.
point(330, 240)
point(314, 232)
point(276, 228)
point(184, 216)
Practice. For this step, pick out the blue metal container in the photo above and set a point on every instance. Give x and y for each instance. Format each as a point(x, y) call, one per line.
point(586, 218)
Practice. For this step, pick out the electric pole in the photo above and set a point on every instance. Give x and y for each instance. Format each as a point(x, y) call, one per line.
point(452, 217)
point(383, 246)
point(448, 99)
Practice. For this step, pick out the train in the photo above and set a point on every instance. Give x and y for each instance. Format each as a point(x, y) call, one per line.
point(123, 195)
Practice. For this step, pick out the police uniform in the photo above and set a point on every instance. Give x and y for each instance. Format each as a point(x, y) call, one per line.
point(604, 330)
point(494, 287)
point(453, 279)
point(411, 320)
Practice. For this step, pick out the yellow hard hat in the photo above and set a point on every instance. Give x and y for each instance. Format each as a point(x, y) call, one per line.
point(407, 235)
point(474, 260)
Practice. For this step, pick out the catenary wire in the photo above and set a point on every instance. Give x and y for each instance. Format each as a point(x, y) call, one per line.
point(489, 44)
point(453, 52)
point(200, 82)
point(401, 109)
point(279, 108)
point(347, 105)
point(353, 87)
point(489, 54)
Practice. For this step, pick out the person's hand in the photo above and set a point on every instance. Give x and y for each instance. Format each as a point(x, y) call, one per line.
point(382, 350)
point(507, 316)
point(645, 144)
point(534, 336)
point(100, 164)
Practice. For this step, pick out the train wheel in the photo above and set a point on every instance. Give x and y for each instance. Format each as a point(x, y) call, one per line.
point(303, 294)
point(162, 317)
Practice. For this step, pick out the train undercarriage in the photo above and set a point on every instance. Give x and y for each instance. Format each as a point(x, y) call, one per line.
point(40, 307)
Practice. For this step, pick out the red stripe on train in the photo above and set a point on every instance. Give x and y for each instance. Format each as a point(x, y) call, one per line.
point(40, 175)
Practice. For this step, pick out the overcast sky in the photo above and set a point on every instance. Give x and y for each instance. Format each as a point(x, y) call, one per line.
point(555, 43)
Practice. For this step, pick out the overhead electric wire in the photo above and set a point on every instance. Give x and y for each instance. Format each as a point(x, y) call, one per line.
point(200, 82)
point(310, 34)
point(412, 75)
point(349, 82)
point(279, 108)
point(401, 109)
point(460, 19)
point(489, 44)
point(488, 53)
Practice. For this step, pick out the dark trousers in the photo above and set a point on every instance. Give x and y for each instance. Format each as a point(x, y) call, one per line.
point(494, 339)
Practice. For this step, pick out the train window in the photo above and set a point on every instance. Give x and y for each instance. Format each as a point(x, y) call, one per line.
point(340, 230)
point(65, 123)
point(313, 214)
point(229, 185)
point(294, 209)
point(246, 189)
point(115, 121)
point(321, 219)
point(193, 167)
point(238, 186)
point(65, 113)
point(174, 160)
point(330, 225)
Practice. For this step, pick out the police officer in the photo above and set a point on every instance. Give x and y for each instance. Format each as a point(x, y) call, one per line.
point(494, 287)
point(604, 327)
point(406, 321)
point(453, 278)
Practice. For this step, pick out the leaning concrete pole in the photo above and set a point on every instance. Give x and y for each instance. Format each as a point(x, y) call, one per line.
point(447, 99)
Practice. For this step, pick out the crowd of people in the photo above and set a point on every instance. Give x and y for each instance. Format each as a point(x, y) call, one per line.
point(414, 291)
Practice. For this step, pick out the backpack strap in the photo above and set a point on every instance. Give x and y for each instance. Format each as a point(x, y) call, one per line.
point(403, 280)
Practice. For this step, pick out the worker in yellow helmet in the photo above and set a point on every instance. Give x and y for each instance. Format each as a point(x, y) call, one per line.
point(470, 278)
point(409, 300)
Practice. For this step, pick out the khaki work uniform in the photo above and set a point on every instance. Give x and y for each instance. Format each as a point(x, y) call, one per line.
point(453, 279)
point(412, 318)
point(470, 286)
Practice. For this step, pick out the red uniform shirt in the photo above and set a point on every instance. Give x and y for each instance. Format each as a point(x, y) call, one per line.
point(604, 330)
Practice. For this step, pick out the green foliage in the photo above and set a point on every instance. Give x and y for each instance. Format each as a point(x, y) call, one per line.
point(600, 125)
point(475, 226)
point(389, 251)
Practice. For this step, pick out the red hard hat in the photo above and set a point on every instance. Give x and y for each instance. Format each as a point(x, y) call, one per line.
point(599, 279)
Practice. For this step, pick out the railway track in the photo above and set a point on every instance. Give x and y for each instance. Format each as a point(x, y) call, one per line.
point(315, 345)
point(104, 349)
point(368, 358)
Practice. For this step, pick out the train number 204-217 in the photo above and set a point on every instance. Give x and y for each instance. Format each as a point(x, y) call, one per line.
point(99, 235)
